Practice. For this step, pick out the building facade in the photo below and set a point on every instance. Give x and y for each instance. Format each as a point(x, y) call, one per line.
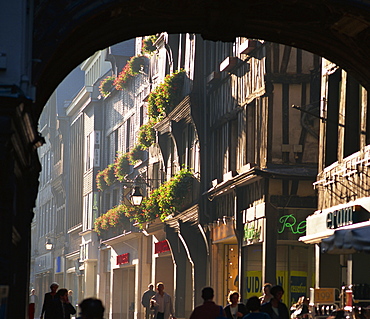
point(263, 160)
point(229, 125)
point(337, 228)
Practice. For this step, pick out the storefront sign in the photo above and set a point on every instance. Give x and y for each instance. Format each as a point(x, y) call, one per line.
point(298, 285)
point(324, 295)
point(340, 217)
point(253, 231)
point(322, 224)
point(123, 259)
point(289, 223)
point(161, 247)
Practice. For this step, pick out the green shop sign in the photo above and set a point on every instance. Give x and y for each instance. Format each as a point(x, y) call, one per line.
point(288, 223)
point(253, 231)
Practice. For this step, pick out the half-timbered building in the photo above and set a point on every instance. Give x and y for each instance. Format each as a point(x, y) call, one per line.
point(261, 163)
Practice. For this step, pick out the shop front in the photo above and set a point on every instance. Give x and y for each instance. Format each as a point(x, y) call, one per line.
point(341, 237)
point(225, 258)
point(121, 274)
point(294, 261)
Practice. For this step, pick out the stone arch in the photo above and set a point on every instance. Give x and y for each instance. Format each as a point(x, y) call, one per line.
point(67, 32)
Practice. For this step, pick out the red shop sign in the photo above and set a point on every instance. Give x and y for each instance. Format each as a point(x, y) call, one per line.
point(161, 247)
point(123, 259)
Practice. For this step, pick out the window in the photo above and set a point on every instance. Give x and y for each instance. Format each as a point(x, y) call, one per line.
point(88, 152)
point(88, 212)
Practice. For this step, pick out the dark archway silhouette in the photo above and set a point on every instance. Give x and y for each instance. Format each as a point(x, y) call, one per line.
point(65, 33)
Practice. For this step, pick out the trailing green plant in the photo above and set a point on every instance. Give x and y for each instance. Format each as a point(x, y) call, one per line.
point(166, 95)
point(148, 46)
point(121, 167)
point(108, 174)
point(146, 136)
point(168, 199)
point(137, 63)
point(174, 193)
point(131, 69)
point(121, 82)
point(100, 181)
point(106, 85)
point(136, 154)
point(112, 218)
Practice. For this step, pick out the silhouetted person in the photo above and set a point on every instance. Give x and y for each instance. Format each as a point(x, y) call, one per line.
point(145, 300)
point(266, 297)
point(253, 306)
point(62, 308)
point(209, 310)
point(275, 307)
point(48, 301)
point(91, 308)
point(235, 309)
point(162, 303)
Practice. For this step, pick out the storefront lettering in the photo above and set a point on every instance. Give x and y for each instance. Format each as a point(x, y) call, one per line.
point(339, 218)
point(253, 285)
point(289, 222)
point(123, 259)
point(251, 233)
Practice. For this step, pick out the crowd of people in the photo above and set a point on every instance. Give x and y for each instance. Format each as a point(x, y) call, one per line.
point(158, 305)
point(268, 306)
point(58, 305)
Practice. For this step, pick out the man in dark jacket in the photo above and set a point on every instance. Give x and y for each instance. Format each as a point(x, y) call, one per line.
point(62, 308)
point(275, 307)
point(209, 310)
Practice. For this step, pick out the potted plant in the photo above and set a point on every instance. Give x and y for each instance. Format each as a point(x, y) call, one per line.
point(146, 136)
point(106, 85)
point(148, 46)
point(166, 95)
point(137, 64)
point(136, 154)
point(121, 167)
point(100, 181)
point(108, 173)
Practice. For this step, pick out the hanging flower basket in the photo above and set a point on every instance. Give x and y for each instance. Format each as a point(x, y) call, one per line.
point(137, 64)
point(148, 46)
point(146, 136)
point(100, 181)
point(121, 167)
point(109, 175)
point(131, 69)
point(106, 86)
point(136, 154)
point(166, 95)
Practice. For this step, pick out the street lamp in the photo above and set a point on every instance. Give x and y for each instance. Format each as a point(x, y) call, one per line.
point(137, 196)
point(49, 244)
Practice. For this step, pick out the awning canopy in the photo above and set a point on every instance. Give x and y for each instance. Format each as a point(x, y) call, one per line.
point(347, 241)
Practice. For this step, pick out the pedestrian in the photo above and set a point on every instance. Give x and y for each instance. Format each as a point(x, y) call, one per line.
point(70, 296)
point(253, 307)
point(209, 309)
point(275, 307)
point(235, 309)
point(62, 308)
point(300, 309)
point(145, 301)
point(162, 303)
point(48, 301)
point(266, 297)
point(91, 308)
point(33, 301)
